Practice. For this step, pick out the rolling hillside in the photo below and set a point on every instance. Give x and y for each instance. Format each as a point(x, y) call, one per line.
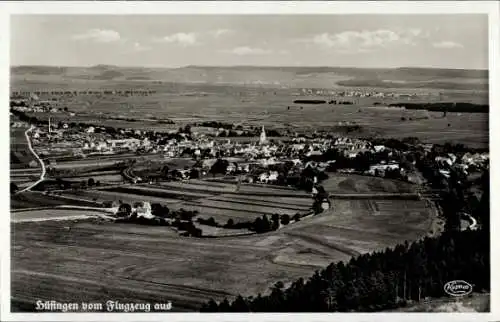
point(295, 77)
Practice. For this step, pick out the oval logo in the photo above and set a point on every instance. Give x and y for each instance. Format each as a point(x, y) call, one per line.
point(458, 288)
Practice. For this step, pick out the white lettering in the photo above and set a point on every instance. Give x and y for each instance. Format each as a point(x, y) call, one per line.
point(163, 306)
point(110, 306)
point(56, 306)
point(116, 306)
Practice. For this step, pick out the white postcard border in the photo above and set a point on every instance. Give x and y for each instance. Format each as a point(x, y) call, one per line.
point(250, 7)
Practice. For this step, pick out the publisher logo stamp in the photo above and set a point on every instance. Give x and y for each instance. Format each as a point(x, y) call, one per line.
point(458, 288)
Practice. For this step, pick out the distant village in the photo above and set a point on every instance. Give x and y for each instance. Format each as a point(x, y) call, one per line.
point(362, 93)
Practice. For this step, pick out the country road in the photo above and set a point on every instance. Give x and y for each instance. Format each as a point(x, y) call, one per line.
point(42, 175)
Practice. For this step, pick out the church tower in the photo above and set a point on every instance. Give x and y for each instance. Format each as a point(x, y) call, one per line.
point(263, 138)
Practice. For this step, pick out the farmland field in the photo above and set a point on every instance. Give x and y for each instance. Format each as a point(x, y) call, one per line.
point(339, 183)
point(221, 187)
point(36, 199)
point(99, 261)
point(222, 201)
point(210, 199)
point(101, 196)
point(103, 178)
point(51, 214)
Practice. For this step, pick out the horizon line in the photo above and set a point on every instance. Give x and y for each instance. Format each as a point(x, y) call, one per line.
point(244, 66)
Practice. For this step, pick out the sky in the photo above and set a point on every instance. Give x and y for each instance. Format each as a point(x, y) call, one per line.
point(368, 41)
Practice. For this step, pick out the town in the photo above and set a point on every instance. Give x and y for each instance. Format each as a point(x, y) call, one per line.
point(301, 161)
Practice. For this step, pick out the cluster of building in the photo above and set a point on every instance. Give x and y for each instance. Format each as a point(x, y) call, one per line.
point(359, 93)
point(29, 105)
point(256, 157)
point(465, 164)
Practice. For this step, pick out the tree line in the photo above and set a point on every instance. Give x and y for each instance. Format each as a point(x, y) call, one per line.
point(181, 219)
point(459, 107)
point(260, 224)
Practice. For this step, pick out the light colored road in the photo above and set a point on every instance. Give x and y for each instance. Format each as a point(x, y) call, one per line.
point(60, 213)
point(42, 175)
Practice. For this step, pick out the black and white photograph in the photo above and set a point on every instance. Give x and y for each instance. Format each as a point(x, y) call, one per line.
point(225, 162)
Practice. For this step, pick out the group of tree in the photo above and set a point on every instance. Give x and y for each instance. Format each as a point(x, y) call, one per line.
point(459, 107)
point(360, 163)
point(337, 102)
point(260, 225)
point(306, 179)
point(249, 133)
point(160, 210)
point(181, 219)
point(187, 228)
point(347, 129)
point(91, 182)
point(135, 218)
point(217, 125)
point(15, 103)
point(309, 101)
point(84, 184)
point(185, 130)
point(219, 167)
point(456, 148)
point(320, 197)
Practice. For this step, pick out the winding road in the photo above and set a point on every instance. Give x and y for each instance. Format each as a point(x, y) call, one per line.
point(30, 146)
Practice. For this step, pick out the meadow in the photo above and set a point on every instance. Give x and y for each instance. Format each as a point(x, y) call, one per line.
point(340, 183)
point(211, 199)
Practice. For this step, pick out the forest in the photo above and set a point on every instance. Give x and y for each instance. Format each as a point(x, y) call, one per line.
point(445, 107)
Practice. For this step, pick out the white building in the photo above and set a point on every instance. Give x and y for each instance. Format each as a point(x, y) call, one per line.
point(263, 138)
point(273, 176)
point(144, 210)
point(124, 143)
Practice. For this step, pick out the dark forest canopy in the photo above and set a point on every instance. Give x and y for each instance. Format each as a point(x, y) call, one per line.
point(446, 107)
point(309, 102)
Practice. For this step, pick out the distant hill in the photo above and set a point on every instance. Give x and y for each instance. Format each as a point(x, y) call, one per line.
point(295, 77)
point(442, 72)
point(422, 71)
